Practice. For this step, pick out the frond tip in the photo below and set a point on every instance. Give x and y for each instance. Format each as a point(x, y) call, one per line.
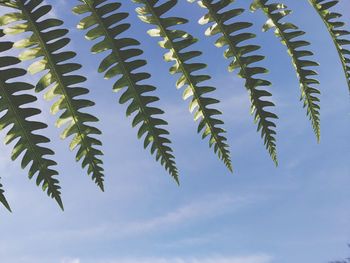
point(103, 20)
point(3, 198)
point(23, 131)
point(290, 36)
point(176, 41)
point(232, 36)
point(337, 32)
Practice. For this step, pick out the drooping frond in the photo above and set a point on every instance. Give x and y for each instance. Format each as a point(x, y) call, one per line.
point(176, 41)
point(43, 45)
point(337, 31)
point(3, 199)
point(233, 37)
point(106, 22)
point(290, 36)
point(23, 131)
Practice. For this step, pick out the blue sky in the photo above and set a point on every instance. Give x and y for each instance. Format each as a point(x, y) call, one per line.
point(298, 212)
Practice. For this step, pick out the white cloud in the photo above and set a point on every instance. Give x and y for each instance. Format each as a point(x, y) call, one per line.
point(70, 260)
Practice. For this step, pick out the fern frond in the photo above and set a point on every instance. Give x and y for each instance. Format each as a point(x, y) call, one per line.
point(44, 43)
point(3, 199)
point(290, 36)
point(176, 41)
point(243, 59)
point(28, 143)
point(106, 23)
point(337, 32)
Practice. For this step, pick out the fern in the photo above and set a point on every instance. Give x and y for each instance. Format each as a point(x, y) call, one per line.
point(45, 41)
point(336, 30)
point(290, 36)
point(232, 37)
point(106, 23)
point(176, 41)
point(22, 131)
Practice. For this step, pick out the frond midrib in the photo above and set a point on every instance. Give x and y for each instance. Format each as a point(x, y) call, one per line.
point(189, 80)
point(132, 84)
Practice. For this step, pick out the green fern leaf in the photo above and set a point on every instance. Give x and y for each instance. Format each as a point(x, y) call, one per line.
point(232, 37)
point(3, 199)
point(176, 41)
point(44, 43)
point(28, 143)
point(337, 32)
point(106, 23)
point(290, 36)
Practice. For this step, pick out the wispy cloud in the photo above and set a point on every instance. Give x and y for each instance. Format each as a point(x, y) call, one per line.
point(208, 207)
point(70, 260)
